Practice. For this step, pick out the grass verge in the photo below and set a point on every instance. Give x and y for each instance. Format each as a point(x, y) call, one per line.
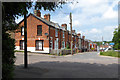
point(110, 53)
point(18, 51)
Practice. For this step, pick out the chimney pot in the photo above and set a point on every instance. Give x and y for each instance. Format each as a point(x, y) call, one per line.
point(83, 37)
point(73, 31)
point(47, 17)
point(64, 25)
point(37, 13)
point(79, 34)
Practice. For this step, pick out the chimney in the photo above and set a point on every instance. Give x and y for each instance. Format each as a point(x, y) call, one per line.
point(83, 37)
point(79, 35)
point(47, 17)
point(65, 26)
point(73, 31)
point(37, 13)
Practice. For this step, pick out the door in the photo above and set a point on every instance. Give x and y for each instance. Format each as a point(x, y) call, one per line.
point(51, 43)
point(21, 44)
point(39, 45)
point(56, 43)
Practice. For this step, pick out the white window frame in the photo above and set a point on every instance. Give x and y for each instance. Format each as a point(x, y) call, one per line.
point(63, 44)
point(56, 44)
point(22, 44)
point(75, 41)
point(51, 42)
point(63, 34)
point(56, 33)
point(40, 45)
point(22, 31)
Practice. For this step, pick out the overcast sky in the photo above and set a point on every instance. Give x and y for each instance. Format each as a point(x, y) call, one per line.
point(92, 18)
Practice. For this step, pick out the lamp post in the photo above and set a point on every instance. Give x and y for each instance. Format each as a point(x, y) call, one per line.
point(25, 39)
point(71, 31)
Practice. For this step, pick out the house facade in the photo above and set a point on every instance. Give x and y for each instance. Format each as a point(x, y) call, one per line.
point(45, 36)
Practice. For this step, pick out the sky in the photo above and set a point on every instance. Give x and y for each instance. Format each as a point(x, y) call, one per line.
point(91, 18)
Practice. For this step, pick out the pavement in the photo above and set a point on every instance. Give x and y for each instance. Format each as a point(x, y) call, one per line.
point(80, 65)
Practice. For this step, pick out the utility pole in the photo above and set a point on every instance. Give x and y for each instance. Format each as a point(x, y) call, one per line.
point(71, 32)
point(25, 39)
point(102, 43)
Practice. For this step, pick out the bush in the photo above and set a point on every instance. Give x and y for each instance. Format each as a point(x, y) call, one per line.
point(8, 58)
point(92, 48)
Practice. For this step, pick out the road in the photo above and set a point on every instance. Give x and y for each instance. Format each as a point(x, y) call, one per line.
point(80, 65)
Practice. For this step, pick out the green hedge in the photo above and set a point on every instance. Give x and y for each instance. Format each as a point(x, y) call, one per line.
point(8, 58)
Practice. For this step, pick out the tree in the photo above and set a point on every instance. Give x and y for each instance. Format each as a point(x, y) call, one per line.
point(116, 38)
point(9, 12)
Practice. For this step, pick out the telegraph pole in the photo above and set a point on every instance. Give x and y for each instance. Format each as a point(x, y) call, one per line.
point(25, 39)
point(102, 43)
point(71, 32)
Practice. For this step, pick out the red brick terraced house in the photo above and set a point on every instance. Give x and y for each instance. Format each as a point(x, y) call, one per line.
point(44, 36)
point(92, 46)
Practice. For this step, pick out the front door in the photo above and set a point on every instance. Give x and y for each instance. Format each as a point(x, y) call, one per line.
point(21, 44)
point(56, 43)
point(39, 45)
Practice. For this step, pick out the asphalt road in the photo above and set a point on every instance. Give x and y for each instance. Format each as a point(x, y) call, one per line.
point(81, 65)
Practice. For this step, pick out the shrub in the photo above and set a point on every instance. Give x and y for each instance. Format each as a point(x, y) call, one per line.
point(92, 48)
point(8, 57)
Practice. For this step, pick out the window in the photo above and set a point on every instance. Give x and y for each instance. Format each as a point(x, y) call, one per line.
point(56, 43)
point(56, 33)
point(22, 31)
point(39, 30)
point(63, 44)
point(39, 45)
point(75, 42)
point(51, 43)
point(63, 34)
point(21, 44)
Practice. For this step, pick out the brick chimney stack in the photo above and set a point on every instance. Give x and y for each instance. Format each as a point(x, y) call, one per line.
point(83, 37)
point(47, 17)
point(64, 25)
point(73, 31)
point(37, 13)
point(79, 35)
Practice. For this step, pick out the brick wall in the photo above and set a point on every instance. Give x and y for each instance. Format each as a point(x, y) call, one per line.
point(32, 23)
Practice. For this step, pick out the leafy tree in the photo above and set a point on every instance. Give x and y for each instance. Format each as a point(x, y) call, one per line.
point(98, 43)
point(116, 38)
point(9, 12)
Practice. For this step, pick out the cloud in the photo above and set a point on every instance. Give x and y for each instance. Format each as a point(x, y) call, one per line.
point(76, 23)
point(94, 30)
point(90, 31)
point(89, 12)
point(110, 13)
point(92, 18)
point(96, 34)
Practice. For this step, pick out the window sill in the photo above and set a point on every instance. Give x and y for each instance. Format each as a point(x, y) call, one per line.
point(39, 50)
point(21, 49)
point(38, 35)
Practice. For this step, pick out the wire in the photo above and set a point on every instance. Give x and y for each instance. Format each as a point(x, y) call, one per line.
point(73, 7)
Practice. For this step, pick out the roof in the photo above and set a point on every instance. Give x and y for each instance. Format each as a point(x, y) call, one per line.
point(50, 23)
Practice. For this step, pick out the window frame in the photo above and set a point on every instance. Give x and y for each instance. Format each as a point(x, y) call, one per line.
point(39, 34)
point(36, 45)
point(63, 34)
point(22, 47)
point(22, 31)
point(51, 42)
point(56, 33)
point(63, 44)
